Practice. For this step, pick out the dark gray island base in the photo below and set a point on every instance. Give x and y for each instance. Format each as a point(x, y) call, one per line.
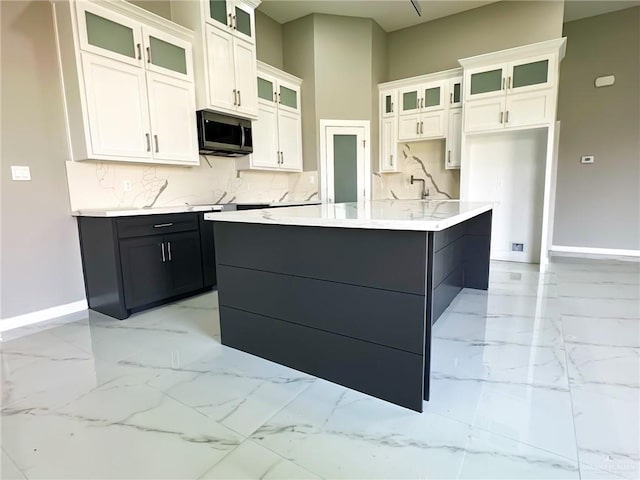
point(354, 306)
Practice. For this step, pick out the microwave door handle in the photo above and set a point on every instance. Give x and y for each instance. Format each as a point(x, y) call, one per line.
point(242, 142)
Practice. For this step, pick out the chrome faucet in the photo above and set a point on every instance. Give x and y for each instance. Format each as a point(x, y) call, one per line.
point(425, 190)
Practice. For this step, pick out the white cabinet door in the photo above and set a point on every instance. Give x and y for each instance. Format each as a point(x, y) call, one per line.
point(432, 125)
point(265, 138)
point(222, 81)
point(454, 139)
point(409, 99)
point(167, 55)
point(245, 77)
point(290, 136)
point(529, 109)
point(109, 34)
point(117, 108)
point(432, 97)
point(409, 127)
point(388, 145)
point(485, 82)
point(243, 20)
point(530, 74)
point(173, 127)
point(388, 103)
point(454, 92)
point(288, 97)
point(481, 115)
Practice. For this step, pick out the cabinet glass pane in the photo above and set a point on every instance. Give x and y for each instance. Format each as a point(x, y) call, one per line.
point(167, 55)
point(345, 163)
point(484, 82)
point(110, 35)
point(432, 97)
point(288, 97)
point(530, 73)
point(265, 89)
point(456, 93)
point(218, 10)
point(388, 107)
point(243, 22)
point(410, 100)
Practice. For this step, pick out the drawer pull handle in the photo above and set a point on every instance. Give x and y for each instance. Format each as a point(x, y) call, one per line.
point(163, 257)
point(169, 248)
point(160, 225)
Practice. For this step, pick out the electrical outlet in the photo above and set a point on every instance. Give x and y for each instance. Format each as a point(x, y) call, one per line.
point(517, 247)
point(587, 159)
point(20, 173)
point(126, 185)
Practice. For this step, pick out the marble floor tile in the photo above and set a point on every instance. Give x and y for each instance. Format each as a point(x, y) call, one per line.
point(339, 433)
point(250, 460)
point(237, 389)
point(538, 377)
point(8, 469)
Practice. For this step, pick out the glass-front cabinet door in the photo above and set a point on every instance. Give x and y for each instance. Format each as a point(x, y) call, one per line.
point(235, 15)
point(388, 103)
point(166, 54)
point(432, 97)
point(409, 99)
point(485, 82)
point(267, 90)
point(108, 34)
point(288, 97)
point(530, 74)
point(454, 92)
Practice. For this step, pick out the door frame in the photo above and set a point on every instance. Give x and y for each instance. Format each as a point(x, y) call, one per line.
point(325, 170)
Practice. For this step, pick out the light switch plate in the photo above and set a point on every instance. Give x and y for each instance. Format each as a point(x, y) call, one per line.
point(20, 173)
point(587, 159)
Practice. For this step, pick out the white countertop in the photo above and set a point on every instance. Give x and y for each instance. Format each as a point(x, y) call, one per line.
point(418, 215)
point(127, 212)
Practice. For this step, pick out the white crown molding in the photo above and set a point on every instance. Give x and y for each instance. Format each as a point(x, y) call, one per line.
point(429, 77)
point(276, 72)
point(558, 45)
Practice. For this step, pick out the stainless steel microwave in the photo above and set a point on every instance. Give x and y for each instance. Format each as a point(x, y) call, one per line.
point(223, 135)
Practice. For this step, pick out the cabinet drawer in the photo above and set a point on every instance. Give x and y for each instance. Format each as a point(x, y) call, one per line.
point(157, 224)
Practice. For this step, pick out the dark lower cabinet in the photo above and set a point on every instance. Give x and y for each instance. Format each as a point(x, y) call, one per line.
point(133, 263)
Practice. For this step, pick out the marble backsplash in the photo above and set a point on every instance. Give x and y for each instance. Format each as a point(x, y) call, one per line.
point(422, 160)
point(95, 185)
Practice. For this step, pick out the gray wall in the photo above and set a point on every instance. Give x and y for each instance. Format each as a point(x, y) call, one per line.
point(40, 265)
point(268, 40)
point(598, 205)
point(437, 45)
point(159, 7)
point(299, 60)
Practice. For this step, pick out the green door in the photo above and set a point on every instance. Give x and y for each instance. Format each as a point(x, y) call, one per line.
point(345, 168)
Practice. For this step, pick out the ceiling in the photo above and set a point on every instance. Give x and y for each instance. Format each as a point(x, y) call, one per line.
point(396, 14)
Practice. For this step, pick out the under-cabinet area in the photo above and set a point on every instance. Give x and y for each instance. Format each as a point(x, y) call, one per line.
point(132, 263)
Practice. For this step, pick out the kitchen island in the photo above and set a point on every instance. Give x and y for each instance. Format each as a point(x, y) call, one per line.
point(349, 292)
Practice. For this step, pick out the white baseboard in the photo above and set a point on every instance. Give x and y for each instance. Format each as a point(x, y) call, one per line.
point(42, 315)
point(632, 255)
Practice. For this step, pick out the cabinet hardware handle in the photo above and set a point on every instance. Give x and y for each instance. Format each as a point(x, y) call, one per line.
point(278, 156)
point(417, 128)
point(148, 55)
point(148, 142)
point(391, 156)
point(169, 249)
point(275, 97)
point(155, 138)
point(281, 158)
point(391, 107)
point(451, 97)
point(501, 116)
point(279, 97)
point(422, 103)
point(421, 127)
point(506, 117)
point(239, 99)
point(235, 23)
point(139, 52)
point(502, 84)
point(235, 98)
point(449, 157)
point(164, 259)
point(509, 82)
point(161, 225)
point(230, 22)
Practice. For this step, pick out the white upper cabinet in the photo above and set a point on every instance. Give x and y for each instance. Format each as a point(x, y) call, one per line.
point(128, 84)
point(415, 109)
point(277, 133)
point(454, 139)
point(235, 16)
point(224, 52)
point(515, 88)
